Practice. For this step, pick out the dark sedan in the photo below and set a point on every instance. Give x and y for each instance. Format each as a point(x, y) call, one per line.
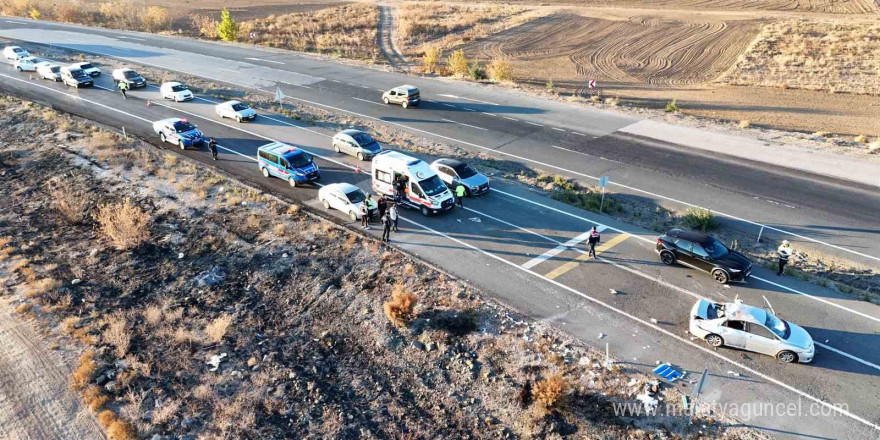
point(703, 252)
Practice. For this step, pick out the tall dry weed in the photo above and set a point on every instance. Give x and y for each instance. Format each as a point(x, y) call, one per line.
point(125, 224)
point(399, 309)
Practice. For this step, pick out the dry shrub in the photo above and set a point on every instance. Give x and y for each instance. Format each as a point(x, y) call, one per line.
point(744, 123)
point(84, 373)
point(400, 309)
point(861, 139)
point(550, 392)
point(117, 333)
point(120, 430)
point(125, 224)
point(165, 412)
point(68, 326)
point(874, 147)
point(293, 209)
point(106, 418)
point(24, 308)
point(458, 63)
point(500, 70)
point(280, 230)
point(433, 53)
point(94, 398)
point(39, 288)
point(217, 329)
point(72, 205)
point(156, 18)
point(153, 315)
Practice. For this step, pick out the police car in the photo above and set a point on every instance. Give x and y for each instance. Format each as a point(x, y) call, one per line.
point(287, 162)
point(178, 131)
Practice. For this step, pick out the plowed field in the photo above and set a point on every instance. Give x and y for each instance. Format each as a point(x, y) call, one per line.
point(826, 6)
point(655, 51)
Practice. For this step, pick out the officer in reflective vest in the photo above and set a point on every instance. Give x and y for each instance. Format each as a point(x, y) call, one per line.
point(459, 195)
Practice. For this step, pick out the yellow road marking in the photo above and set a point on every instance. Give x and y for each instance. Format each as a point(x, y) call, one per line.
point(584, 257)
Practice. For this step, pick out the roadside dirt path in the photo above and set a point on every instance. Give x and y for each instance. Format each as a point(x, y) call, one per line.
point(386, 38)
point(35, 401)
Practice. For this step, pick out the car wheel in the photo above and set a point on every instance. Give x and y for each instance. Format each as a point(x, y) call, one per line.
point(162, 137)
point(238, 119)
point(353, 216)
point(385, 100)
point(264, 171)
point(667, 257)
point(182, 145)
point(404, 104)
point(292, 182)
point(715, 340)
point(425, 211)
point(336, 148)
point(326, 204)
point(720, 276)
point(19, 68)
point(360, 156)
point(786, 356)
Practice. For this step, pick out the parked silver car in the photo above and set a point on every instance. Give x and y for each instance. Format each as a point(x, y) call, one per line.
point(750, 328)
point(453, 171)
point(356, 143)
point(404, 95)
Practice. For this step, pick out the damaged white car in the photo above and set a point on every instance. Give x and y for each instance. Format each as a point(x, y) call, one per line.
point(750, 328)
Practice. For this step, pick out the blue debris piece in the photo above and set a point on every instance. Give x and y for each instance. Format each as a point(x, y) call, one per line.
point(667, 372)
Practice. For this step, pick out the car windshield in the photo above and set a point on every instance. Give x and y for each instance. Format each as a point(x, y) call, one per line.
point(86, 66)
point(55, 69)
point(179, 88)
point(130, 74)
point(432, 186)
point(356, 196)
point(362, 138)
point(777, 326)
point(715, 249)
point(239, 106)
point(298, 160)
point(183, 126)
point(17, 50)
point(464, 171)
point(77, 73)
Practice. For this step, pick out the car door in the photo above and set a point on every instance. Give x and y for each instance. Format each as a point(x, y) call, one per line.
point(338, 201)
point(445, 174)
point(735, 333)
point(683, 251)
point(761, 340)
point(701, 258)
point(170, 133)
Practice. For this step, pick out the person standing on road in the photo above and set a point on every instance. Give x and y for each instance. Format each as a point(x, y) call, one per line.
point(212, 145)
point(593, 240)
point(784, 252)
point(365, 215)
point(123, 86)
point(386, 227)
point(393, 214)
point(460, 192)
point(383, 205)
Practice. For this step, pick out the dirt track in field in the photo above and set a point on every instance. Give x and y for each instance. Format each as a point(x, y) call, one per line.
point(657, 51)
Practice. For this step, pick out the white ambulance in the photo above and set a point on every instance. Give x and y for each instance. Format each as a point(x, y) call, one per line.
point(411, 182)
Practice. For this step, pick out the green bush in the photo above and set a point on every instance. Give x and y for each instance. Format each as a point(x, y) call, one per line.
point(564, 184)
point(590, 200)
point(671, 107)
point(700, 219)
point(476, 72)
point(228, 28)
point(550, 85)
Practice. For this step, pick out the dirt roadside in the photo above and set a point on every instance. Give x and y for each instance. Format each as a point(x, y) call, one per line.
point(35, 400)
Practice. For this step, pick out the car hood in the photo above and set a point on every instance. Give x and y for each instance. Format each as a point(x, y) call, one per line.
point(799, 337)
point(475, 180)
point(735, 260)
point(190, 134)
point(372, 147)
point(137, 79)
point(246, 112)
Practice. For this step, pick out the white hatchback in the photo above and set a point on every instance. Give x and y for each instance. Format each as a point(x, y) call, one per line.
point(14, 53)
point(235, 110)
point(343, 197)
point(89, 68)
point(175, 91)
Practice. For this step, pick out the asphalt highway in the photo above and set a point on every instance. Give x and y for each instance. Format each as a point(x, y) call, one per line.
point(497, 242)
point(831, 212)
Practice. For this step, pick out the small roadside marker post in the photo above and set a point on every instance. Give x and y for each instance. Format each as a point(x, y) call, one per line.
point(124, 136)
point(760, 233)
point(279, 96)
point(607, 357)
point(603, 182)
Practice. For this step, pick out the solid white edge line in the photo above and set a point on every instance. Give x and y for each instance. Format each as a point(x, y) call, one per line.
point(490, 114)
point(557, 129)
point(653, 326)
point(533, 123)
point(364, 100)
point(510, 263)
point(843, 353)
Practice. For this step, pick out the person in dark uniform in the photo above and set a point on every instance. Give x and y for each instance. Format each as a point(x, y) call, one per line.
point(593, 240)
point(386, 227)
point(212, 145)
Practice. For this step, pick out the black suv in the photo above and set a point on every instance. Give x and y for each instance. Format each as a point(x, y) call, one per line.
point(703, 252)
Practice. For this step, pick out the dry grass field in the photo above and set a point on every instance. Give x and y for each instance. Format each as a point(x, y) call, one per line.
point(827, 6)
point(348, 30)
point(814, 55)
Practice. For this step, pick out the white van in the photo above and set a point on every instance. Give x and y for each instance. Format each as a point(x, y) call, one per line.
point(417, 185)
